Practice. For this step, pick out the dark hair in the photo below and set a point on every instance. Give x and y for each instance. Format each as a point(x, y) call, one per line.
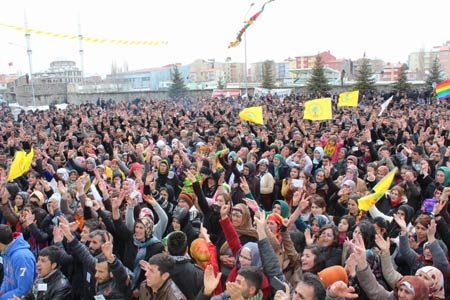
point(368, 233)
point(177, 243)
point(320, 259)
point(351, 220)
point(53, 253)
point(253, 276)
point(335, 231)
point(314, 281)
point(92, 224)
point(164, 262)
point(5, 234)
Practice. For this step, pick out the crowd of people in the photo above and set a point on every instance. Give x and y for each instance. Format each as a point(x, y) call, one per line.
point(158, 199)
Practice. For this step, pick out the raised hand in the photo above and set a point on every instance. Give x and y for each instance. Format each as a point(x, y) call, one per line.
point(107, 247)
point(309, 238)
point(431, 231)
point(283, 295)
point(400, 222)
point(149, 199)
point(340, 289)
point(224, 211)
point(383, 244)
point(210, 280)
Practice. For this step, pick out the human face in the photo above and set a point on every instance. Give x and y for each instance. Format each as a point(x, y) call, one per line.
point(18, 201)
point(394, 194)
point(273, 226)
point(316, 210)
point(154, 277)
point(404, 293)
point(245, 257)
point(427, 254)
point(428, 280)
point(356, 232)
point(246, 290)
point(102, 272)
point(176, 224)
point(308, 260)
point(44, 266)
point(183, 204)
point(326, 238)
point(139, 231)
point(236, 217)
point(440, 176)
point(95, 244)
point(315, 227)
point(303, 292)
point(343, 226)
point(294, 173)
point(352, 207)
point(320, 176)
point(276, 208)
point(162, 168)
point(276, 161)
point(84, 235)
point(421, 231)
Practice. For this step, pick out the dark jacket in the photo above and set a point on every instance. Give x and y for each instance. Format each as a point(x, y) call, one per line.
point(123, 234)
point(189, 285)
point(168, 291)
point(118, 287)
point(58, 288)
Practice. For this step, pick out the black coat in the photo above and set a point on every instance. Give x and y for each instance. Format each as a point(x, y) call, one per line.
point(58, 288)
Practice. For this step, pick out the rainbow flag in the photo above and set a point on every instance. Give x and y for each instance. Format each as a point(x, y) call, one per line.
point(443, 89)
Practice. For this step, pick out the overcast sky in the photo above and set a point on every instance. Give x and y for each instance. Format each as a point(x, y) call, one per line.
point(202, 29)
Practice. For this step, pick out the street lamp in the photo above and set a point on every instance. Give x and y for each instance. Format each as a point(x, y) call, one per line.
point(245, 52)
point(30, 64)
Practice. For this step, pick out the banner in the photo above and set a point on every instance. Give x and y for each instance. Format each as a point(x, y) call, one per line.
point(86, 39)
point(226, 93)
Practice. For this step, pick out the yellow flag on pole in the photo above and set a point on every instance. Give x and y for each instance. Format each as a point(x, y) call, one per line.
point(20, 164)
point(348, 98)
point(318, 109)
point(366, 202)
point(252, 114)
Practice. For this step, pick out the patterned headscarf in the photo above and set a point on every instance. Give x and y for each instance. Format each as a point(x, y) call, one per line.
point(430, 273)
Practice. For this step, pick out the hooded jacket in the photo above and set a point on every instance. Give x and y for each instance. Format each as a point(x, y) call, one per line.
point(19, 267)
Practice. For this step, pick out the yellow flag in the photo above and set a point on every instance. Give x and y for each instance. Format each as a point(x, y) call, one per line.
point(20, 164)
point(348, 98)
point(366, 202)
point(384, 184)
point(252, 114)
point(318, 109)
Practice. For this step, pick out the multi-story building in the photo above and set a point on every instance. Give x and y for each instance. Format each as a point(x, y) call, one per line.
point(61, 71)
point(420, 62)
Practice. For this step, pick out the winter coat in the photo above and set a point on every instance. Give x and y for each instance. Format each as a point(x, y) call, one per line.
point(57, 287)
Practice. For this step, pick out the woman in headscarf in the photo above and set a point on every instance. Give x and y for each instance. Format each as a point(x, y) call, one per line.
point(165, 177)
point(432, 276)
point(317, 159)
point(242, 223)
point(246, 254)
point(138, 244)
point(280, 170)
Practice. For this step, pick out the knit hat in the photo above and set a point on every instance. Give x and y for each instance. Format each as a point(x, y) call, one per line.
point(187, 197)
point(276, 218)
point(135, 166)
point(148, 225)
point(332, 274)
point(415, 284)
point(39, 196)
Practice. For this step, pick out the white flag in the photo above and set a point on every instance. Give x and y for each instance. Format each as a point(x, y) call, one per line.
point(384, 105)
